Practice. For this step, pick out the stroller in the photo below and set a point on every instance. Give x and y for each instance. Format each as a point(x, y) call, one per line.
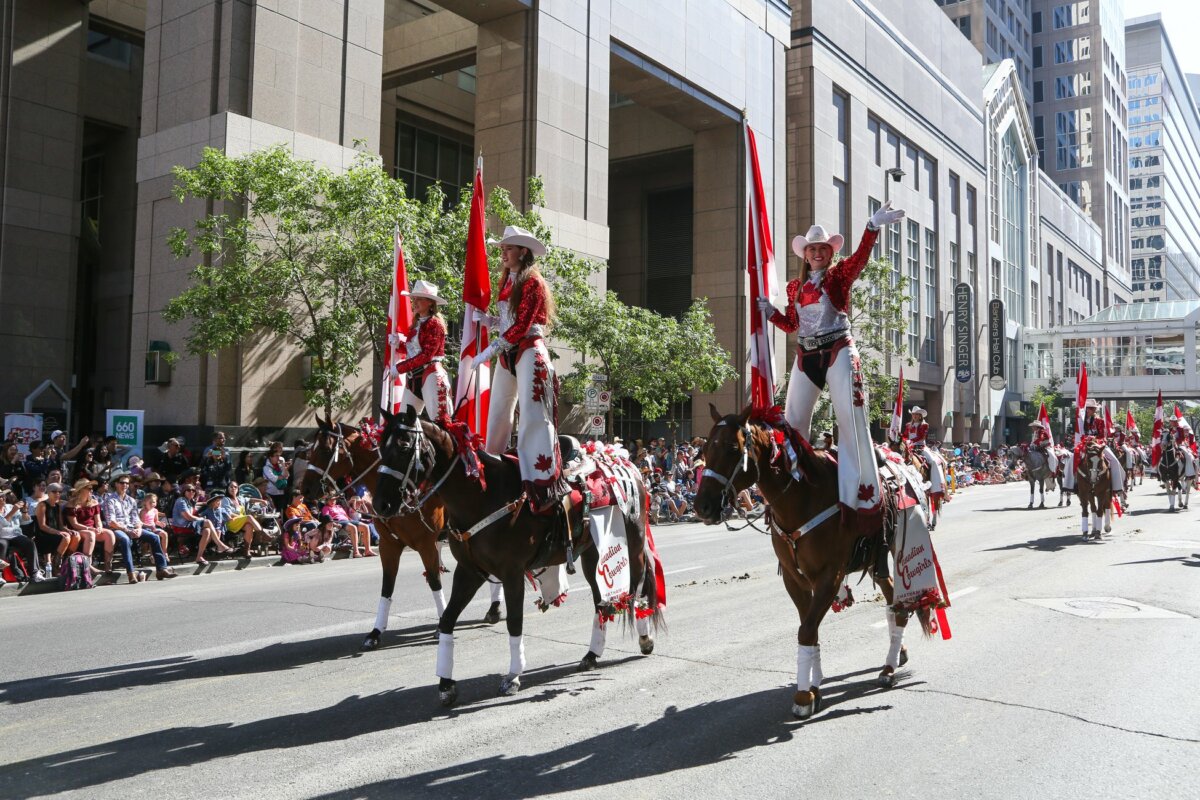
point(263, 511)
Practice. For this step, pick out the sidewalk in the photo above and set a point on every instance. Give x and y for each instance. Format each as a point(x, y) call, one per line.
point(183, 570)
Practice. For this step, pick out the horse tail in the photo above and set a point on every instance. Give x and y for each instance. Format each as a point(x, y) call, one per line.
point(654, 603)
point(927, 626)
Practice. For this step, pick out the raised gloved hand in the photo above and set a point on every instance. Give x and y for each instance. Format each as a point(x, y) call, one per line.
point(397, 340)
point(886, 215)
point(764, 303)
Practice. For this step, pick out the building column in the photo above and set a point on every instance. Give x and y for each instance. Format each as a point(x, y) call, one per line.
point(240, 76)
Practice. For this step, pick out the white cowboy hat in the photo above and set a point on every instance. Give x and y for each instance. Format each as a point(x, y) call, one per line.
point(523, 238)
point(816, 235)
point(918, 410)
point(427, 290)
point(1039, 423)
point(1091, 403)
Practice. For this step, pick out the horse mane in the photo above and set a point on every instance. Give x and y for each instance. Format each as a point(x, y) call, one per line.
point(772, 419)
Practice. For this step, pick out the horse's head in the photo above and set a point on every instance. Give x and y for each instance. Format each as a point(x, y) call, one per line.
point(330, 459)
point(408, 459)
point(730, 463)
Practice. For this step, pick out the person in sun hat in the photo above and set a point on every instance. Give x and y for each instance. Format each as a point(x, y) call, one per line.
point(818, 308)
point(428, 385)
point(1095, 426)
point(525, 376)
point(1042, 441)
point(916, 433)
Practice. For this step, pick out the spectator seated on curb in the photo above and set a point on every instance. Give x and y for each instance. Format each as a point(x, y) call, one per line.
point(340, 522)
point(54, 537)
point(361, 512)
point(153, 519)
point(218, 515)
point(191, 529)
point(168, 493)
point(14, 543)
point(320, 538)
point(239, 521)
point(83, 515)
point(297, 522)
point(121, 517)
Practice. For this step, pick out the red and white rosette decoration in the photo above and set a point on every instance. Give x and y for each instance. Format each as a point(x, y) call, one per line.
point(1156, 436)
point(760, 263)
point(398, 323)
point(471, 397)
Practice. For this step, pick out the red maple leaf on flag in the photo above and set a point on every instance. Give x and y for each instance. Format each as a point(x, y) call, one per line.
point(543, 463)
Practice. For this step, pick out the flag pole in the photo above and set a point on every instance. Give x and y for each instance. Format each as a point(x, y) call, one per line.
point(479, 329)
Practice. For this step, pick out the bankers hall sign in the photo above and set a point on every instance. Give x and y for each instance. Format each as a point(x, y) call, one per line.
point(996, 340)
point(963, 305)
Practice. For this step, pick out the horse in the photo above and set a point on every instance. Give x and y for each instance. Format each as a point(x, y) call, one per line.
point(915, 460)
point(1171, 468)
point(1037, 471)
point(1093, 484)
point(814, 549)
point(341, 452)
point(493, 531)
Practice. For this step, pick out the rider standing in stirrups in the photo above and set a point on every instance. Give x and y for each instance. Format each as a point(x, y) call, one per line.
point(818, 307)
point(428, 385)
point(1094, 426)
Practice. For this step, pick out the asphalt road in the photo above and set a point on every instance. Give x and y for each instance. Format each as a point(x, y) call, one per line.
point(250, 684)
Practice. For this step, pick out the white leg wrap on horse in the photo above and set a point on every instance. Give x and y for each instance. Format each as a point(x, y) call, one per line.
point(497, 592)
point(817, 674)
point(445, 656)
point(805, 655)
point(895, 640)
point(643, 626)
point(598, 635)
point(381, 614)
point(1083, 525)
point(516, 655)
point(439, 602)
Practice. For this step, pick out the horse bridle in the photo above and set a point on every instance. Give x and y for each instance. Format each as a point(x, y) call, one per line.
point(340, 442)
point(412, 498)
point(728, 491)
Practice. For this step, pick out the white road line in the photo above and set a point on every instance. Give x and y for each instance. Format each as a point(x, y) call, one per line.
point(953, 596)
point(683, 569)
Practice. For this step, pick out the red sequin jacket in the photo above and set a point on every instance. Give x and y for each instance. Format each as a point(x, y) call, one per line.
point(531, 312)
point(836, 285)
point(431, 335)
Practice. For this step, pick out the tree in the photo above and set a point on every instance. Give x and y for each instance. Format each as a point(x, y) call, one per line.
point(649, 358)
point(878, 321)
point(1048, 394)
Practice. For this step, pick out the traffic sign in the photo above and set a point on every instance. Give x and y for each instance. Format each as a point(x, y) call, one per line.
point(604, 399)
point(597, 426)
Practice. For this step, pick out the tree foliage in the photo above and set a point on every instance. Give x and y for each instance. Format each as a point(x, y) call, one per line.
point(296, 250)
point(1048, 394)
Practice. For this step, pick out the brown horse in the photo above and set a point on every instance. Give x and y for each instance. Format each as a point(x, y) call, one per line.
point(358, 461)
point(494, 532)
point(1093, 485)
point(915, 460)
point(815, 550)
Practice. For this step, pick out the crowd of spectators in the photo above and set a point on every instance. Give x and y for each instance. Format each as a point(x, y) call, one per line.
point(118, 508)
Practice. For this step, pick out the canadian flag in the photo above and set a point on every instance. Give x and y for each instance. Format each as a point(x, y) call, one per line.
point(1130, 424)
point(1109, 430)
point(1044, 417)
point(897, 425)
point(471, 397)
point(760, 263)
point(398, 322)
point(1080, 402)
point(1156, 436)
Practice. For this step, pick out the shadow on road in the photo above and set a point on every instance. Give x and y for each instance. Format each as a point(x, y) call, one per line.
point(1048, 544)
point(1188, 561)
point(272, 658)
point(196, 745)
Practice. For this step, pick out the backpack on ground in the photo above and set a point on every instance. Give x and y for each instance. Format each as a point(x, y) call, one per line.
point(76, 573)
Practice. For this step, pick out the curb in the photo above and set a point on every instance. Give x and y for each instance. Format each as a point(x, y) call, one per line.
point(186, 569)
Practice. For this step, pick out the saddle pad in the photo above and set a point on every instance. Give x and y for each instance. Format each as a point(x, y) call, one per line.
point(612, 569)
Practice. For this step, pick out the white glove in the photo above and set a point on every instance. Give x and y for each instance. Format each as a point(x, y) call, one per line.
point(764, 303)
point(484, 357)
point(885, 216)
point(396, 339)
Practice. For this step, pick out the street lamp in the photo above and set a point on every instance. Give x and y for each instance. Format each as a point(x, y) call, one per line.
point(896, 174)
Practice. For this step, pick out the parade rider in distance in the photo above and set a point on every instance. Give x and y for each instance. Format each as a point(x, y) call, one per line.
point(1095, 426)
point(525, 377)
point(428, 385)
point(1181, 431)
point(1041, 442)
point(916, 432)
point(818, 307)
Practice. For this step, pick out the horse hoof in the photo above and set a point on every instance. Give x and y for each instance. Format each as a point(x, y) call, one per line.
point(1043, 505)
point(448, 694)
point(372, 640)
point(887, 678)
point(1030, 505)
point(804, 704)
point(646, 644)
point(510, 685)
point(493, 614)
point(903, 656)
point(1107, 529)
point(588, 662)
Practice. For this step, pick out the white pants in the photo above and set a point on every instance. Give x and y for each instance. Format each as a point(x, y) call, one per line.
point(501, 406)
point(858, 479)
point(1052, 461)
point(935, 470)
point(1189, 462)
point(435, 399)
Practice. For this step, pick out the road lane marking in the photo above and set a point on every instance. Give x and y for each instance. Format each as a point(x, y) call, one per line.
point(682, 569)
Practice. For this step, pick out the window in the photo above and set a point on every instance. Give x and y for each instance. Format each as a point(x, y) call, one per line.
point(840, 198)
point(840, 113)
point(92, 190)
point(929, 347)
point(1037, 92)
point(955, 267)
point(914, 288)
point(1069, 50)
point(1037, 22)
point(1015, 203)
point(894, 256)
point(1071, 14)
point(873, 206)
point(971, 270)
point(111, 47)
point(1035, 302)
point(1074, 85)
point(873, 129)
point(424, 158)
point(1037, 58)
point(994, 292)
point(964, 26)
